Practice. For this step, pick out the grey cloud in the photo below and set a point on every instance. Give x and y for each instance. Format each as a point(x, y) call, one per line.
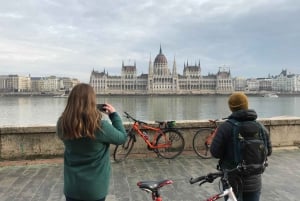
point(75, 36)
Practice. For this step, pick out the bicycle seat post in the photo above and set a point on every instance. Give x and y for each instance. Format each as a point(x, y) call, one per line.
point(156, 195)
point(225, 181)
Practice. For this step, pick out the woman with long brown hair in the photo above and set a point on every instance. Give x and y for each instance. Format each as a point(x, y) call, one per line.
point(86, 137)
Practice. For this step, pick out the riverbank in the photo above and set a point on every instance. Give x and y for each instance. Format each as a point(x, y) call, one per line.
point(212, 93)
point(20, 94)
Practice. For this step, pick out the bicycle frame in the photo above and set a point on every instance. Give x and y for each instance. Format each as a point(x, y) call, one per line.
point(227, 192)
point(211, 136)
point(138, 127)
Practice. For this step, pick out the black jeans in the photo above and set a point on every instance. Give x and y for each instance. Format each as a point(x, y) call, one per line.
point(71, 199)
point(251, 196)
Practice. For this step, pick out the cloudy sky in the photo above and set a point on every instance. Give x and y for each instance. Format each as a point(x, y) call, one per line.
point(254, 38)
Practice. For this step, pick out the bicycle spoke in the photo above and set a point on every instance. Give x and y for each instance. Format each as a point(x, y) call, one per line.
point(175, 142)
point(122, 151)
point(200, 145)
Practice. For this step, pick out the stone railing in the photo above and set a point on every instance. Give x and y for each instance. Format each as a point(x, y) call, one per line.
point(42, 142)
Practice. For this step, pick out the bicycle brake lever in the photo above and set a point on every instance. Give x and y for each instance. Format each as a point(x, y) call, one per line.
point(202, 182)
point(209, 179)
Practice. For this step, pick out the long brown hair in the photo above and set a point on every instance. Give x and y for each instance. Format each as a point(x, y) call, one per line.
point(81, 117)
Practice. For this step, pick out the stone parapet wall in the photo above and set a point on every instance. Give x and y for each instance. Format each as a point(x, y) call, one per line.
point(42, 142)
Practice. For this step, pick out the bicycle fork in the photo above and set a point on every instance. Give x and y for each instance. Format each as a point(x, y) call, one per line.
point(228, 192)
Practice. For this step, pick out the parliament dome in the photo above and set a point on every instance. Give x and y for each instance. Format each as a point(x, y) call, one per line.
point(160, 58)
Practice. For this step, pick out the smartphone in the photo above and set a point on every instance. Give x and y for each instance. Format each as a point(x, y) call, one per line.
point(101, 107)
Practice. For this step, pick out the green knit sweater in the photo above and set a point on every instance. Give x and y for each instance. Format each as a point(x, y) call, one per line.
point(87, 162)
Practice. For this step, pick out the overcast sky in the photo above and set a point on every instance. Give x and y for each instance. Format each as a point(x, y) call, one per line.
point(70, 38)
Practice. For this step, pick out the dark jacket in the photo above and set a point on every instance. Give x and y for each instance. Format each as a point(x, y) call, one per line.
point(222, 146)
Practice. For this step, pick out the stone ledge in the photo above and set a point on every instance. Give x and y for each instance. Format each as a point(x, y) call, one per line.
point(42, 142)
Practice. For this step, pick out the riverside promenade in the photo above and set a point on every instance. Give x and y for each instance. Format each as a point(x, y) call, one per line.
point(42, 180)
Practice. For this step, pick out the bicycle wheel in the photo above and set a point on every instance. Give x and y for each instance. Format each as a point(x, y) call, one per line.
point(200, 146)
point(176, 141)
point(122, 151)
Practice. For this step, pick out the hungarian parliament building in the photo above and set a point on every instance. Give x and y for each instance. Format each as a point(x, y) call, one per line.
point(162, 80)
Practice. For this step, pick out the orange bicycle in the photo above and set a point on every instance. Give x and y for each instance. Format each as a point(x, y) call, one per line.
point(167, 142)
point(203, 139)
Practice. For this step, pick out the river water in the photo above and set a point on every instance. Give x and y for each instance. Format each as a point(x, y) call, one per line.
point(44, 111)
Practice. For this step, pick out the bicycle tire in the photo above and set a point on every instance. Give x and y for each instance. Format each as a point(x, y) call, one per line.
point(199, 145)
point(177, 144)
point(122, 151)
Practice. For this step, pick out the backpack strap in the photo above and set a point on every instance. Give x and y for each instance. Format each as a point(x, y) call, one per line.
point(262, 135)
point(236, 127)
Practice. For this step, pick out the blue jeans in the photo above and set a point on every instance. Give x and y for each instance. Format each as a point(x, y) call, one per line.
point(71, 199)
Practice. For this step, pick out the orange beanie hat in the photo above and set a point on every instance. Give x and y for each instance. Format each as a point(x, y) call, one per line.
point(238, 101)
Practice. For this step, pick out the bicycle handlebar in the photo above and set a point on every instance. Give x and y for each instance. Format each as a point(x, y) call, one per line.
point(210, 177)
point(214, 121)
point(128, 116)
point(207, 178)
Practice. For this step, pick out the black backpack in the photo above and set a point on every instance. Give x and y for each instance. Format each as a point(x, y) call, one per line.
point(250, 152)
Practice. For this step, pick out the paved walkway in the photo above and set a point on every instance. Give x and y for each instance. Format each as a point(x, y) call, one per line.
point(44, 182)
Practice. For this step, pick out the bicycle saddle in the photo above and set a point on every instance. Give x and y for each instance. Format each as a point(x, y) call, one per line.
point(153, 185)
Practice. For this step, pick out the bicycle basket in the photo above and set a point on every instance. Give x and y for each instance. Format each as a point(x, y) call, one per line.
point(171, 124)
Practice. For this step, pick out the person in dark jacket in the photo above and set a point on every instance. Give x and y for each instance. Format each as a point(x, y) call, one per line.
point(222, 146)
point(87, 137)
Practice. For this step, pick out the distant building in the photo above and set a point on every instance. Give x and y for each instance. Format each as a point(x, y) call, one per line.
point(240, 84)
point(15, 83)
point(51, 84)
point(252, 85)
point(37, 84)
point(162, 80)
point(286, 82)
point(265, 84)
point(54, 84)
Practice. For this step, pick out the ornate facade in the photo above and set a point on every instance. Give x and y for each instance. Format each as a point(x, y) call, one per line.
point(162, 80)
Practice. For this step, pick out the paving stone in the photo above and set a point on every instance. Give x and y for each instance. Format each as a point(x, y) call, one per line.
point(44, 182)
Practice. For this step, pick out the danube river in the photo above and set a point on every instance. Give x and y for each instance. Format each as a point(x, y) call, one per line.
point(32, 111)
